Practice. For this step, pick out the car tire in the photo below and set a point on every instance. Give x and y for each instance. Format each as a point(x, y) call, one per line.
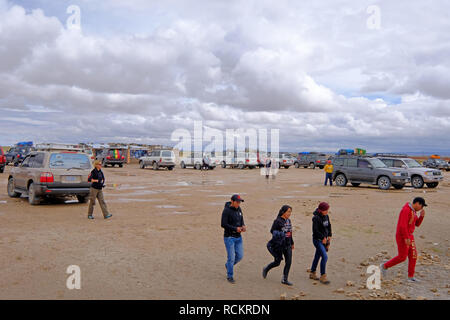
point(398, 186)
point(33, 199)
point(432, 184)
point(141, 165)
point(11, 187)
point(417, 182)
point(297, 165)
point(384, 183)
point(312, 165)
point(305, 167)
point(241, 166)
point(341, 180)
point(155, 166)
point(320, 167)
point(197, 166)
point(211, 168)
point(286, 167)
point(82, 199)
point(120, 165)
point(224, 164)
point(356, 184)
point(182, 165)
point(170, 168)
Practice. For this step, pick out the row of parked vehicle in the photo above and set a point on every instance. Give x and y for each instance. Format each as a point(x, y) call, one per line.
point(384, 170)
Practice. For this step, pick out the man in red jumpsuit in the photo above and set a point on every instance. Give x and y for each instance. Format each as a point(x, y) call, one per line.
point(408, 220)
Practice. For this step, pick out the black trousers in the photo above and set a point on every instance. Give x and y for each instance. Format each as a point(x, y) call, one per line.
point(287, 253)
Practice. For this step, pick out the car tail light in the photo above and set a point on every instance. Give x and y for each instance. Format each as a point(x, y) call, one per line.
point(3, 159)
point(160, 159)
point(47, 177)
point(108, 157)
point(123, 157)
point(318, 161)
point(247, 160)
point(284, 160)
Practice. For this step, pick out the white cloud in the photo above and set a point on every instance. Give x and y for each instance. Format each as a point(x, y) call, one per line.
point(306, 68)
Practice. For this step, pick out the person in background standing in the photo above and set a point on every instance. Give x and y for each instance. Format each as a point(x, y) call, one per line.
point(328, 173)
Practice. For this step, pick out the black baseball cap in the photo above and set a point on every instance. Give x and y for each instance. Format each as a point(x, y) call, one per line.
point(237, 197)
point(421, 201)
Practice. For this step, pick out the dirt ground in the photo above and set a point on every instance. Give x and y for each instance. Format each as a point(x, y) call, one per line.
point(164, 240)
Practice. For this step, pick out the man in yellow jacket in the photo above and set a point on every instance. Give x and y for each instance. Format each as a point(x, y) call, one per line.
point(328, 173)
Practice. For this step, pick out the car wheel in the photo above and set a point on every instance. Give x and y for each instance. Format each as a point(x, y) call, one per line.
point(432, 184)
point(211, 168)
point(312, 165)
point(2, 169)
point(305, 167)
point(224, 165)
point(241, 166)
point(11, 191)
point(155, 166)
point(82, 199)
point(398, 186)
point(297, 165)
point(384, 183)
point(182, 165)
point(170, 168)
point(286, 167)
point(33, 199)
point(120, 165)
point(197, 166)
point(417, 182)
point(141, 165)
point(341, 180)
point(356, 184)
point(320, 167)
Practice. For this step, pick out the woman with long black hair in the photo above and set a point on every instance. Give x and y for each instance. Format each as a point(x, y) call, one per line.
point(281, 243)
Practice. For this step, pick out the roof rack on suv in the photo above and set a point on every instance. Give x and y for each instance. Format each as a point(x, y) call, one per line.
point(392, 155)
point(57, 147)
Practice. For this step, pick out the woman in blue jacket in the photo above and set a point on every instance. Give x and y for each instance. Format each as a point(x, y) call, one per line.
point(281, 243)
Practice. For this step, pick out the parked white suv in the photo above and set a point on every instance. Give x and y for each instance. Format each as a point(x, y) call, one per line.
point(195, 160)
point(158, 159)
point(240, 160)
point(419, 175)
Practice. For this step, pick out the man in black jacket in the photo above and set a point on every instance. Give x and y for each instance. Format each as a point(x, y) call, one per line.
point(97, 180)
point(233, 225)
point(321, 240)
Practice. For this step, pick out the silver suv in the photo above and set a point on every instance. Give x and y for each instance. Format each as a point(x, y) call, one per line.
point(158, 159)
point(360, 169)
point(419, 175)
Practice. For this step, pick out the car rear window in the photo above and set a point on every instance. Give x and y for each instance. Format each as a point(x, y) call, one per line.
point(69, 160)
point(166, 154)
point(115, 153)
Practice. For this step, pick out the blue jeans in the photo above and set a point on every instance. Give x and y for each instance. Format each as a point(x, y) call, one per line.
point(235, 252)
point(328, 176)
point(320, 253)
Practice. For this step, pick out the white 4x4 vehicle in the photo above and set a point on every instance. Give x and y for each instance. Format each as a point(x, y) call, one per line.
point(240, 160)
point(195, 160)
point(419, 175)
point(158, 159)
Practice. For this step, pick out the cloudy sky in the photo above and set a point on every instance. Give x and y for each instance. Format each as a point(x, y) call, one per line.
point(326, 73)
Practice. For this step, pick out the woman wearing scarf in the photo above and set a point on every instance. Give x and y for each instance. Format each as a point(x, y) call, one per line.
point(281, 243)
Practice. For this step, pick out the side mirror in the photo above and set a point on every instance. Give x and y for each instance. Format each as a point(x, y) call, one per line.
point(370, 166)
point(404, 166)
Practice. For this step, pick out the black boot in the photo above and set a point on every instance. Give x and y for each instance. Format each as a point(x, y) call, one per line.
point(265, 272)
point(285, 281)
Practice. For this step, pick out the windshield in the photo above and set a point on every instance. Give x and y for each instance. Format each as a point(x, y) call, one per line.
point(377, 163)
point(69, 160)
point(411, 163)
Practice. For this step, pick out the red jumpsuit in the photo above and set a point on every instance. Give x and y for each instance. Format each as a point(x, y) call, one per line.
point(407, 222)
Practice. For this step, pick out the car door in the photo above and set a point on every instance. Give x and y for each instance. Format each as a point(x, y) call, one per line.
point(363, 172)
point(352, 169)
point(21, 173)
